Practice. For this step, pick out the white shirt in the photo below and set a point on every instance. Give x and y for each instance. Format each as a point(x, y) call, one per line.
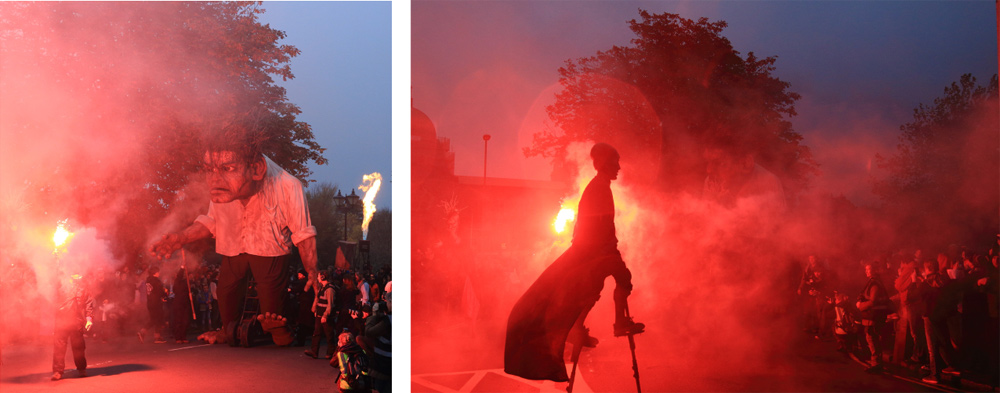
point(274, 219)
point(365, 290)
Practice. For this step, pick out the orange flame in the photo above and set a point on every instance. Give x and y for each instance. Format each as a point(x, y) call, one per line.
point(564, 217)
point(371, 185)
point(627, 209)
point(62, 235)
point(570, 203)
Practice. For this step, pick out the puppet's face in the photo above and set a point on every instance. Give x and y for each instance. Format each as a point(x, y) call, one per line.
point(230, 178)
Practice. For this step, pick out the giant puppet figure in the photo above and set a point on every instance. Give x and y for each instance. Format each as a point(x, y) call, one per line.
point(258, 212)
point(556, 305)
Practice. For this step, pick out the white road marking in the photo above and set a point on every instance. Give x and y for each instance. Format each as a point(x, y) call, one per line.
point(193, 346)
point(579, 385)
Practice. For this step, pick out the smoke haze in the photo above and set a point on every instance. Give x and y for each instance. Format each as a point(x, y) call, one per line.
point(102, 106)
point(714, 283)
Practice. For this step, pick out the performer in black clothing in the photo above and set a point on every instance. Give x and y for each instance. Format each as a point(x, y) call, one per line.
point(378, 333)
point(74, 315)
point(346, 304)
point(156, 295)
point(323, 312)
point(181, 307)
point(556, 305)
point(300, 303)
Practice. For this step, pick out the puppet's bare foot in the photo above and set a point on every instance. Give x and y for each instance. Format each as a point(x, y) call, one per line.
point(214, 337)
point(276, 325)
point(270, 321)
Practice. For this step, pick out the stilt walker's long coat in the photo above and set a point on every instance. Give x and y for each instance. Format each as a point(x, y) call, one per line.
point(541, 320)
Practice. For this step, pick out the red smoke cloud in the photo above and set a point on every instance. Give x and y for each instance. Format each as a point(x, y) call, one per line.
point(81, 113)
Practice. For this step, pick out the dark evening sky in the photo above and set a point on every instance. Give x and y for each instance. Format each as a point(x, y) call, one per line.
point(860, 66)
point(342, 84)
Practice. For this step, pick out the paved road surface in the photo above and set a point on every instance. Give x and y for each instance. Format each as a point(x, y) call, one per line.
point(125, 365)
point(815, 366)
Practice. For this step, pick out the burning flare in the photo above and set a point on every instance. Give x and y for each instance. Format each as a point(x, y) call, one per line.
point(564, 217)
point(371, 185)
point(61, 235)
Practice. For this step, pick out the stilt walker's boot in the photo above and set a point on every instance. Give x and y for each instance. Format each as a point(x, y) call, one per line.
point(624, 325)
point(628, 328)
point(635, 328)
point(580, 335)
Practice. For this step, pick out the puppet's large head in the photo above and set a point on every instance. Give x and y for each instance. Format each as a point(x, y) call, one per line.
point(234, 163)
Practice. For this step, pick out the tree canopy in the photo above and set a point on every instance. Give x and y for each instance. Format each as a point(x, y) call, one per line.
point(942, 179)
point(679, 87)
point(114, 100)
point(380, 236)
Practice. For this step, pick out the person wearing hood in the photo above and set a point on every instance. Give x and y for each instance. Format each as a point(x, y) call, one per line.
point(352, 361)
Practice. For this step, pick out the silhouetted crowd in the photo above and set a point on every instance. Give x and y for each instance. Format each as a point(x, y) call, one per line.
point(144, 302)
point(938, 315)
point(121, 300)
point(161, 309)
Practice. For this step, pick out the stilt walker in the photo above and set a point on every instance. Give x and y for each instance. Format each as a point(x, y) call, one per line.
point(555, 306)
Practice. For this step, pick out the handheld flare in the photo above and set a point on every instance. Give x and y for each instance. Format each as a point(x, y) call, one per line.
point(61, 235)
point(564, 217)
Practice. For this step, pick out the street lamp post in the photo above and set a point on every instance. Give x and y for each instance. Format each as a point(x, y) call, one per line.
point(486, 141)
point(346, 204)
